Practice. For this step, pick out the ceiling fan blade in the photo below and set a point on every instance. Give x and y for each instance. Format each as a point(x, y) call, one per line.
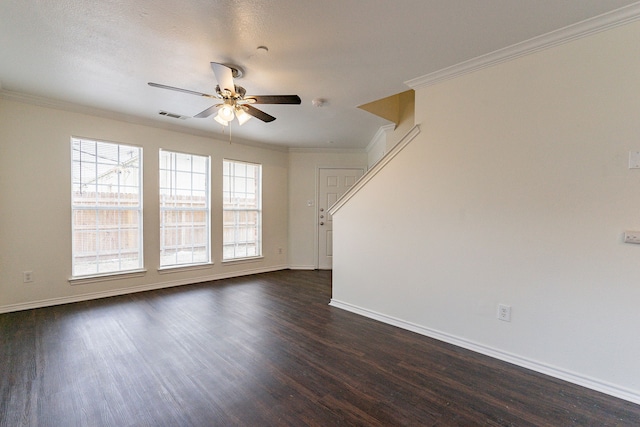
point(206, 113)
point(258, 114)
point(224, 76)
point(274, 99)
point(192, 92)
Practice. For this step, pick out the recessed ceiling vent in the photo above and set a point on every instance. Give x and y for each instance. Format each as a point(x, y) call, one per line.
point(173, 115)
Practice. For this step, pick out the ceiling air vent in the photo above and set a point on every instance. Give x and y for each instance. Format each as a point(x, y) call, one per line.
point(173, 115)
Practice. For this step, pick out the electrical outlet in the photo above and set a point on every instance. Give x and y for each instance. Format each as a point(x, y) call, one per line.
point(632, 237)
point(27, 276)
point(504, 312)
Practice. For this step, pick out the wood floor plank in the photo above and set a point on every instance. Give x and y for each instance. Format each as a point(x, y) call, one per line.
point(263, 350)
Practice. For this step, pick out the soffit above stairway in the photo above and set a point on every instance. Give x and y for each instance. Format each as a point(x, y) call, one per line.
point(392, 108)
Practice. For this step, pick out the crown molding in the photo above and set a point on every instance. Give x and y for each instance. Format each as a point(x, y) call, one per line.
point(312, 150)
point(572, 32)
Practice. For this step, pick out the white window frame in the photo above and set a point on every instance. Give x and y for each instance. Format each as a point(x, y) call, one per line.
point(237, 244)
point(94, 175)
point(173, 183)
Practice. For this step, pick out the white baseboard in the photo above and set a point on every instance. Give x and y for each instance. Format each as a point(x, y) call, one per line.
point(124, 291)
point(302, 267)
point(563, 374)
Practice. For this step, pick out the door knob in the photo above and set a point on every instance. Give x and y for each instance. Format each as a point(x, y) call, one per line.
point(322, 223)
point(321, 216)
point(321, 209)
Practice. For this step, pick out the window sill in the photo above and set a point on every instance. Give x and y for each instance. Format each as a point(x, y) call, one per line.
point(184, 267)
point(242, 260)
point(83, 280)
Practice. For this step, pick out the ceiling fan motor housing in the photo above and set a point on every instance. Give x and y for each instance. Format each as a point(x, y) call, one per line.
point(225, 94)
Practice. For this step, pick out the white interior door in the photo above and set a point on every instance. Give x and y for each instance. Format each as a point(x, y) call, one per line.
point(332, 184)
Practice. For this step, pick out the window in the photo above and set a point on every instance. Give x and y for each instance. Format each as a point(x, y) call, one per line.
point(242, 210)
point(106, 207)
point(184, 209)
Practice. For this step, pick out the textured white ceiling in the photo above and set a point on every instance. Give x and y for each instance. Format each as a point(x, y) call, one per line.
point(101, 54)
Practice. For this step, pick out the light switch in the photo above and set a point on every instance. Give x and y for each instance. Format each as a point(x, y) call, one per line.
point(634, 159)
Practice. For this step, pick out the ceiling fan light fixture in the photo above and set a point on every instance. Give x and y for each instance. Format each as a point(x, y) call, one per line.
point(226, 113)
point(242, 116)
point(218, 119)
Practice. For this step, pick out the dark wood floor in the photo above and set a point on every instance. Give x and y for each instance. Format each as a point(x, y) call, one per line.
point(258, 351)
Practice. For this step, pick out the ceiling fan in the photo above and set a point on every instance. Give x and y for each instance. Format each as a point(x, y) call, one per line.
point(234, 101)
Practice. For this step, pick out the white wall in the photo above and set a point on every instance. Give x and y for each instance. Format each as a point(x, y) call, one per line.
point(303, 186)
point(377, 148)
point(516, 191)
point(35, 205)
